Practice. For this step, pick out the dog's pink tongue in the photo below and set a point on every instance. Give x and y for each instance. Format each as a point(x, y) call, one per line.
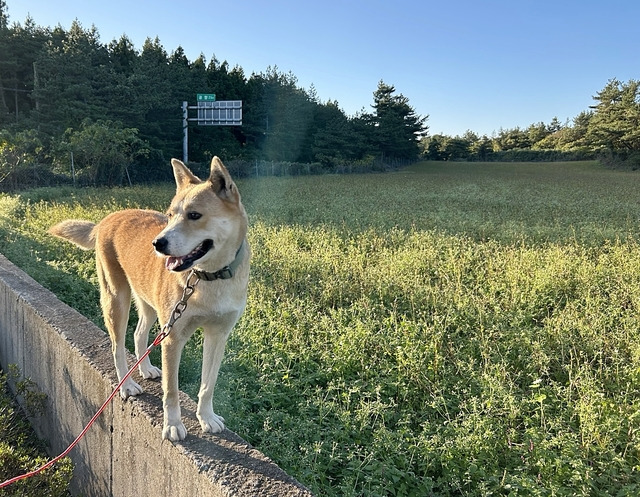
point(172, 262)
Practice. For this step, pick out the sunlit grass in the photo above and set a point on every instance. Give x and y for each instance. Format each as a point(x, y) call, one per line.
point(461, 329)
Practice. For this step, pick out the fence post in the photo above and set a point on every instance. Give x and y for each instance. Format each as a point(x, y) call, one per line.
point(73, 170)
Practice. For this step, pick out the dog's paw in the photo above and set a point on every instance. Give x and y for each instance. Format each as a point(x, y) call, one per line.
point(174, 432)
point(149, 372)
point(130, 389)
point(211, 423)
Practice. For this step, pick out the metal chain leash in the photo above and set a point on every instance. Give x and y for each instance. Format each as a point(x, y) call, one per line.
point(179, 308)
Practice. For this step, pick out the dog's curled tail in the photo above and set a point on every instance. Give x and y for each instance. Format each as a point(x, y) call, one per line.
point(80, 233)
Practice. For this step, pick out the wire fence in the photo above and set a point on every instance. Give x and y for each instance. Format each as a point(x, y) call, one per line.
point(34, 175)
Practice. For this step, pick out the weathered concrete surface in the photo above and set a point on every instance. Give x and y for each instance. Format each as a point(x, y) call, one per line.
point(122, 455)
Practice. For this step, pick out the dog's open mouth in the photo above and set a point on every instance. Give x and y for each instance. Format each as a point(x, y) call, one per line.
point(186, 261)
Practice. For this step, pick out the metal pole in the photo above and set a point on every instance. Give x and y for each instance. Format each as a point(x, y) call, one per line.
point(185, 133)
point(73, 170)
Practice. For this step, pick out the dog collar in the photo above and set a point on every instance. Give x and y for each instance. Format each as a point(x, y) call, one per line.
point(226, 272)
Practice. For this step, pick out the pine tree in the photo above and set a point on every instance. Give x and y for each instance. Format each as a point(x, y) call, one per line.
point(395, 128)
point(615, 124)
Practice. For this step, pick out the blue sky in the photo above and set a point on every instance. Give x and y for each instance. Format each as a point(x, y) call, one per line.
point(478, 65)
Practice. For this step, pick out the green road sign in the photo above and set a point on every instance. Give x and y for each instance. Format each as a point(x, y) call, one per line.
point(206, 97)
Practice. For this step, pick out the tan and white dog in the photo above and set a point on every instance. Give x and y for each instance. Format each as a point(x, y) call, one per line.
point(145, 254)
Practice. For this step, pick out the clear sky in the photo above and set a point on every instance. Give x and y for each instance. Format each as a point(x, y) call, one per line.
point(468, 64)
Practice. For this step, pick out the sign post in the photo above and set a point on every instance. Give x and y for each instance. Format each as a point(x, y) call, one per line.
point(210, 112)
point(185, 132)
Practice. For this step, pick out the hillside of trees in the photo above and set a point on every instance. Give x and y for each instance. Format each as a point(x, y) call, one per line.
point(72, 106)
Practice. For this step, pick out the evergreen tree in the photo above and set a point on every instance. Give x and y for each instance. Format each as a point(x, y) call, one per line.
point(334, 139)
point(72, 79)
point(122, 93)
point(6, 62)
point(19, 46)
point(287, 111)
point(395, 126)
point(481, 149)
point(512, 139)
point(434, 147)
point(615, 124)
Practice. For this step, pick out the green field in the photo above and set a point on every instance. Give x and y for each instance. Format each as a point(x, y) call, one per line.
point(449, 329)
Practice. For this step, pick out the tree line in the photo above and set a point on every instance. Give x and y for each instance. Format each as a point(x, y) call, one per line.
point(609, 130)
point(72, 106)
point(107, 113)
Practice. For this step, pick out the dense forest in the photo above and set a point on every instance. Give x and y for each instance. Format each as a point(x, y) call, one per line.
point(72, 106)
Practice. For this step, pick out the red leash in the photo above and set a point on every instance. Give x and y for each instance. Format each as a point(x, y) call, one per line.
point(155, 343)
point(179, 308)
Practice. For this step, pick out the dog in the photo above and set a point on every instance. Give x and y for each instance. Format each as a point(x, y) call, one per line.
point(144, 255)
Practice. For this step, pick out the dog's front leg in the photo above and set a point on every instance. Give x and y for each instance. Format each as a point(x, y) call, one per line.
point(213, 349)
point(173, 429)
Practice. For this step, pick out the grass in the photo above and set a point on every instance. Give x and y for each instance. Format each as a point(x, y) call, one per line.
point(20, 449)
point(450, 329)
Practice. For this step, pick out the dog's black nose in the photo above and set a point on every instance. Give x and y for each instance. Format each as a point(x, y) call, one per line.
point(160, 244)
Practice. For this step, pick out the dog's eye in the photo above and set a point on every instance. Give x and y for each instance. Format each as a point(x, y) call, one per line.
point(194, 215)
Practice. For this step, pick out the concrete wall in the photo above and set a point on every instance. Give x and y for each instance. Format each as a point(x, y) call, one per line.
point(123, 454)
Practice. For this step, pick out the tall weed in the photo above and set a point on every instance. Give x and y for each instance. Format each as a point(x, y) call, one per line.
point(452, 329)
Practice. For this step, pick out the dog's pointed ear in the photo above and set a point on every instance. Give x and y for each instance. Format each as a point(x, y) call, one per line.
point(183, 175)
point(221, 181)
